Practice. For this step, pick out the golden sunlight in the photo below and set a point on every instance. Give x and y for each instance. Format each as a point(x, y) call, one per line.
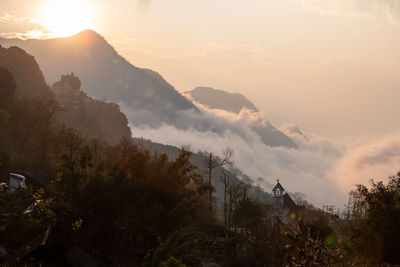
point(66, 17)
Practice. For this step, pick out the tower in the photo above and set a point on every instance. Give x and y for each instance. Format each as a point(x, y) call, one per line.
point(278, 193)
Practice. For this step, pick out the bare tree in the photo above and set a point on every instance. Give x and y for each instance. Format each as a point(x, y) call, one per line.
point(214, 162)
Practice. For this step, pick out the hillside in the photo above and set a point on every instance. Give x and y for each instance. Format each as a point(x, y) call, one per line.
point(199, 160)
point(27, 74)
point(94, 118)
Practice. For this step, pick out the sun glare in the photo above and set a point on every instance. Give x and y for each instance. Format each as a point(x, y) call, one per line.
point(66, 17)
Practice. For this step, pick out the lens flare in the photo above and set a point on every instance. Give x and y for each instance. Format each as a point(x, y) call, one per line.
point(329, 241)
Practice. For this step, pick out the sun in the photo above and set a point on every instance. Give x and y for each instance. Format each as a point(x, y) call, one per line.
point(66, 17)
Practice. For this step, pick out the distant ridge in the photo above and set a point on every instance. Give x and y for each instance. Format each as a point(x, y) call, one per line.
point(218, 99)
point(233, 102)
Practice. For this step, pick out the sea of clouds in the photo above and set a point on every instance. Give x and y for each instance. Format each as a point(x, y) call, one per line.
point(323, 169)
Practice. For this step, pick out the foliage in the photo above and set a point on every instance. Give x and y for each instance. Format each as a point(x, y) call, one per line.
point(372, 227)
point(128, 207)
point(172, 262)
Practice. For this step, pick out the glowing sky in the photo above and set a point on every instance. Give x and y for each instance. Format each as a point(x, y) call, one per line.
point(332, 67)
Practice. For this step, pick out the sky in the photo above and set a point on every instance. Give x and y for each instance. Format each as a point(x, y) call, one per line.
point(331, 67)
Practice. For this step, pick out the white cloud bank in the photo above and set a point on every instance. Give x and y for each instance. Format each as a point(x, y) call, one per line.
point(374, 160)
point(321, 168)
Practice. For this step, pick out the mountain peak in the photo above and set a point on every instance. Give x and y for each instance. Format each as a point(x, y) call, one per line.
point(220, 99)
point(87, 36)
point(87, 33)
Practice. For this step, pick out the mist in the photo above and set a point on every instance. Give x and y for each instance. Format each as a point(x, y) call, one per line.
point(305, 170)
point(325, 170)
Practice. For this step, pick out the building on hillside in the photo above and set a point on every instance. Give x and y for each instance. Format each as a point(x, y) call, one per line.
point(68, 90)
point(285, 209)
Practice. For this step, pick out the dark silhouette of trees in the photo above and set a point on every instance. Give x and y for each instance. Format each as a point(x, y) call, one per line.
point(7, 87)
point(372, 228)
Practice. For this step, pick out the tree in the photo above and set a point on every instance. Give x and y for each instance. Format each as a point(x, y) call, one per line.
point(70, 143)
point(225, 180)
point(214, 162)
point(374, 216)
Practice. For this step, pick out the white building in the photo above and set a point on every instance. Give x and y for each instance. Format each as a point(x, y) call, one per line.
point(17, 181)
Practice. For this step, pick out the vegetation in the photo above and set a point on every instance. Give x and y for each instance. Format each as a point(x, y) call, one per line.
point(126, 207)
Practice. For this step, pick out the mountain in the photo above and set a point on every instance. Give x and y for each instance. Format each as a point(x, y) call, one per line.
point(233, 102)
point(26, 72)
point(218, 99)
point(146, 98)
point(104, 73)
point(94, 118)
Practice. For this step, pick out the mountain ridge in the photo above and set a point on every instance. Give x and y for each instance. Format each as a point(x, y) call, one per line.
point(106, 75)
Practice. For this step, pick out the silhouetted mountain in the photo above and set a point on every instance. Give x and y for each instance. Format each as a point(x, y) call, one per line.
point(104, 73)
point(219, 99)
point(26, 73)
point(94, 118)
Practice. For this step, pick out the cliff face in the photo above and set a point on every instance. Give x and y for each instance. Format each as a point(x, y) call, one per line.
point(26, 72)
point(97, 119)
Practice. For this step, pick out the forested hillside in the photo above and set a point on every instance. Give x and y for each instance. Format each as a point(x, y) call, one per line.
point(90, 202)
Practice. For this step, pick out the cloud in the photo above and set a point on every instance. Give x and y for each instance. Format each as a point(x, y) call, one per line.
point(388, 9)
point(323, 169)
point(313, 142)
point(373, 160)
point(304, 170)
point(21, 27)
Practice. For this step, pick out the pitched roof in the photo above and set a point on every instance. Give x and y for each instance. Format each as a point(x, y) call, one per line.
point(288, 201)
point(278, 186)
